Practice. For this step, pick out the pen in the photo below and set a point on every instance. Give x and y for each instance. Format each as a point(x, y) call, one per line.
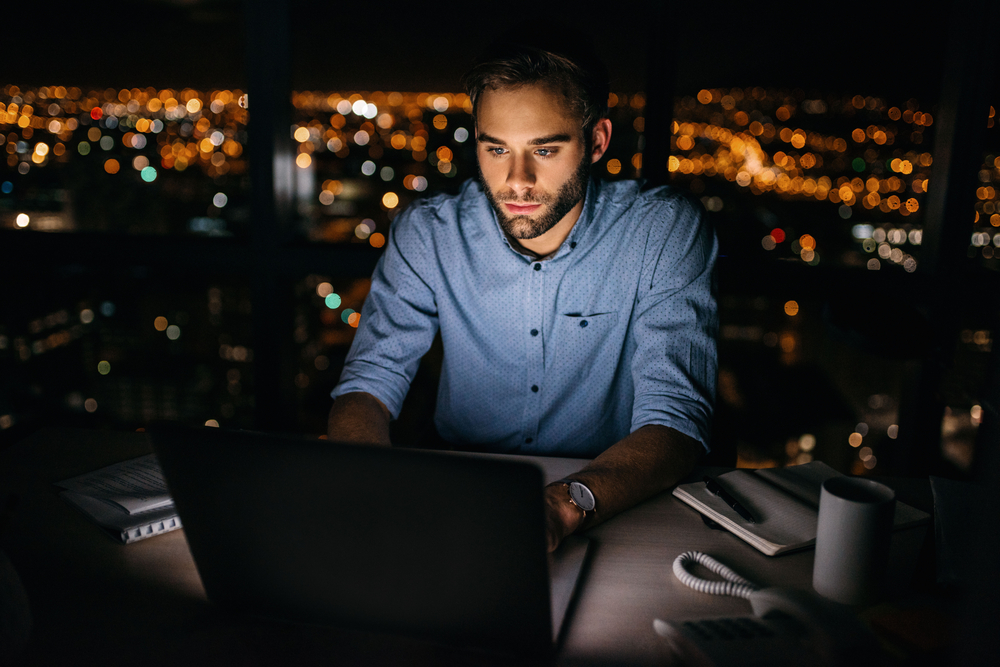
point(717, 489)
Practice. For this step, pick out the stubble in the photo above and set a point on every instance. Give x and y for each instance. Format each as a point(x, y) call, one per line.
point(523, 227)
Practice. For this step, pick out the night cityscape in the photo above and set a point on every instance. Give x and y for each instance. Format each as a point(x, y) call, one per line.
point(820, 181)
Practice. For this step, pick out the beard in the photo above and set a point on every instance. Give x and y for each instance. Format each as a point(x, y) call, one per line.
point(556, 206)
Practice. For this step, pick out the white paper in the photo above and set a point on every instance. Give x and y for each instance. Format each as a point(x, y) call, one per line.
point(135, 486)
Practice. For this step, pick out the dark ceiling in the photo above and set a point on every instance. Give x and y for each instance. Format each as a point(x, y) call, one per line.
point(425, 45)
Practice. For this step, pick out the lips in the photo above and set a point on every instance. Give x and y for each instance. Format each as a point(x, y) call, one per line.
point(522, 209)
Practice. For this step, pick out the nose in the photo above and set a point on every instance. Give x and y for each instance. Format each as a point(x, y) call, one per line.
point(521, 177)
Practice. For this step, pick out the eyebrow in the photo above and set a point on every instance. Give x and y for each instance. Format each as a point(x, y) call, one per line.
point(551, 139)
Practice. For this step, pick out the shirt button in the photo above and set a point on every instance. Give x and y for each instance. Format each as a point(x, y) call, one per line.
point(538, 267)
point(534, 332)
point(573, 244)
point(583, 323)
point(528, 441)
point(534, 388)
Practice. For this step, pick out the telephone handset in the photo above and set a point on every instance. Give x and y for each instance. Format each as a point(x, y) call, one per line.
point(789, 627)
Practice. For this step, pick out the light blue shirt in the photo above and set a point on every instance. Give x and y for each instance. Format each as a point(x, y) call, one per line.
point(563, 356)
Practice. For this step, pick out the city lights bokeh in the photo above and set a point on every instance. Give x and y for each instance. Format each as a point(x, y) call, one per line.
point(857, 169)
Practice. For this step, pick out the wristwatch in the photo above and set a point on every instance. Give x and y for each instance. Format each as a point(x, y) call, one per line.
point(579, 495)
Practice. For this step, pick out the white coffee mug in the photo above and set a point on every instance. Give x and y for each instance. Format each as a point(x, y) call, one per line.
point(852, 540)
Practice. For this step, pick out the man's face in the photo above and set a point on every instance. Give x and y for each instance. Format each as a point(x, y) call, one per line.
point(533, 162)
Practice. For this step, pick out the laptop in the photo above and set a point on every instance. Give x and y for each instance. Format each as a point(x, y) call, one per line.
point(440, 546)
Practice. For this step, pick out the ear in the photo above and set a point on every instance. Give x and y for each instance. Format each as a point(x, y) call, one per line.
point(600, 139)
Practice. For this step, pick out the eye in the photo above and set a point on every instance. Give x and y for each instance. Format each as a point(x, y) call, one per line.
point(496, 150)
point(545, 152)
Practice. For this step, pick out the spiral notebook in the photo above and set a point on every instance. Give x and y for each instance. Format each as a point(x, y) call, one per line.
point(129, 500)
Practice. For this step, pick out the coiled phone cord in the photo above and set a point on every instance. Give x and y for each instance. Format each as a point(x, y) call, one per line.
point(734, 584)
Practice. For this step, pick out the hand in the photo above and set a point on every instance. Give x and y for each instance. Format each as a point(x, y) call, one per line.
point(562, 517)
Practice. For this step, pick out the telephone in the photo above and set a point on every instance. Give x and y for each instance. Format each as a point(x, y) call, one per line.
point(789, 627)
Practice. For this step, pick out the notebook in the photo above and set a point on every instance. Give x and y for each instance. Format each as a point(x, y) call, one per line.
point(129, 500)
point(443, 547)
point(784, 501)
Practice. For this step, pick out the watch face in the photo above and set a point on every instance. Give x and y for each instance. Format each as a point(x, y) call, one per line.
point(582, 496)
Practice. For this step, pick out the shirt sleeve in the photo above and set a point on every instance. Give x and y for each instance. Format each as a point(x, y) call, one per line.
point(399, 317)
point(675, 365)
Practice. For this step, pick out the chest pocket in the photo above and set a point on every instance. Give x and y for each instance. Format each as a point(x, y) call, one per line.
point(585, 346)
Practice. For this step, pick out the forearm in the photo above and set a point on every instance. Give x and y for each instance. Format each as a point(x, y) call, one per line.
point(647, 462)
point(359, 418)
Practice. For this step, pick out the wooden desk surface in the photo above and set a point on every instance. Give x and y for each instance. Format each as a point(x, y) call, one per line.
point(94, 599)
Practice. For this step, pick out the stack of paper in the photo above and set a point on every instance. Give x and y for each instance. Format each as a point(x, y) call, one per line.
point(128, 499)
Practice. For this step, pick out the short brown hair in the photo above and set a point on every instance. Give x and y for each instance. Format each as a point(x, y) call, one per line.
point(572, 70)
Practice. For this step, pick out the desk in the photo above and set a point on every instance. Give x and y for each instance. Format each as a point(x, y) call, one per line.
point(94, 600)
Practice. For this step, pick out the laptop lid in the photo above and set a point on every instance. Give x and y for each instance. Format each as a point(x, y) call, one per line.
point(443, 547)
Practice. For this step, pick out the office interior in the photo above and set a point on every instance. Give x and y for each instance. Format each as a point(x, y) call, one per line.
point(194, 195)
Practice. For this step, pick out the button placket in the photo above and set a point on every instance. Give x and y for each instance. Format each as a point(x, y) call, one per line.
point(536, 361)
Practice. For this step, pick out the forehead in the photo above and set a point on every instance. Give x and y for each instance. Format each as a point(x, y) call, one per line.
point(533, 110)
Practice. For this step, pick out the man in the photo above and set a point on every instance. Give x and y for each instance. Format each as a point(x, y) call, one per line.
point(578, 317)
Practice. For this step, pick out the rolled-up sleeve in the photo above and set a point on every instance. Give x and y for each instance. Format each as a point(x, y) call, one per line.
point(674, 367)
point(399, 318)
